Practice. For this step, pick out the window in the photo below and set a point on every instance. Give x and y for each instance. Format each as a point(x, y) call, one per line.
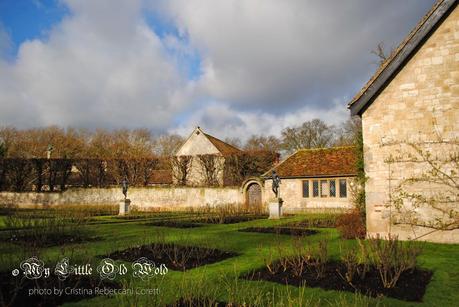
point(332, 185)
point(323, 188)
point(342, 188)
point(306, 188)
point(315, 188)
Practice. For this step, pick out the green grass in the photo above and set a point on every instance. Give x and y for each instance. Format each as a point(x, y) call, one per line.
point(220, 280)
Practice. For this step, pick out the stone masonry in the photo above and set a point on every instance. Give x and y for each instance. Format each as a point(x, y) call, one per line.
point(419, 106)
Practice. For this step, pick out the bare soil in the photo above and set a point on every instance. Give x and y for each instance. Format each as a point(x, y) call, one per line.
point(174, 224)
point(228, 219)
point(51, 240)
point(175, 257)
point(410, 287)
point(281, 230)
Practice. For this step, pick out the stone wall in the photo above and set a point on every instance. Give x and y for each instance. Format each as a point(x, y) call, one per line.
point(144, 198)
point(419, 106)
point(291, 192)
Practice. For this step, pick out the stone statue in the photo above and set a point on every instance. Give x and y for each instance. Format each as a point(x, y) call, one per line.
point(125, 186)
point(49, 150)
point(276, 182)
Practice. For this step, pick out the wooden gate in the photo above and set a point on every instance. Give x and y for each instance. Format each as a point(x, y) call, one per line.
point(253, 196)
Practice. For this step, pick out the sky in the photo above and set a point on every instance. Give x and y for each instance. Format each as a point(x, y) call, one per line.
point(233, 67)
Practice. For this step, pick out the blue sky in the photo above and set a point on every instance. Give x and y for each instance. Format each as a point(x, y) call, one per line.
point(235, 67)
point(26, 20)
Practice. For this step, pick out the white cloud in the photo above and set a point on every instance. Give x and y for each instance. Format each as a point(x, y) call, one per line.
point(223, 121)
point(102, 66)
point(266, 64)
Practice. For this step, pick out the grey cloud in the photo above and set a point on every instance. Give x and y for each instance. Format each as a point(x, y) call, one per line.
point(280, 55)
point(266, 64)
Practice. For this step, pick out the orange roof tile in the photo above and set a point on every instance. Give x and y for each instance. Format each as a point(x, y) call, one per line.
point(161, 177)
point(224, 148)
point(321, 162)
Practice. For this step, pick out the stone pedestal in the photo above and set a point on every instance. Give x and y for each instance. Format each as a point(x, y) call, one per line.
point(124, 206)
point(275, 209)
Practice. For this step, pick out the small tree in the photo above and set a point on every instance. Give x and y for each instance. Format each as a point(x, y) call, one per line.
point(429, 196)
point(240, 166)
point(19, 173)
point(211, 167)
point(3, 150)
point(181, 167)
point(39, 168)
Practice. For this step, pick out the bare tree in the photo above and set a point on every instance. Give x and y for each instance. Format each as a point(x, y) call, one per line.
point(260, 142)
point(181, 167)
point(349, 131)
point(381, 53)
point(311, 134)
point(211, 167)
point(240, 166)
point(167, 145)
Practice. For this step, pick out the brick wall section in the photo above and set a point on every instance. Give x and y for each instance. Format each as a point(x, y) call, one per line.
point(420, 104)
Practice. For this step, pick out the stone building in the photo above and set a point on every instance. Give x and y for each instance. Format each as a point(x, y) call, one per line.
point(410, 119)
point(314, 179)
point(198, 146)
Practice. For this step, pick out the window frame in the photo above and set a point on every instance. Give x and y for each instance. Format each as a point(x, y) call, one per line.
point(304, 190)
point(322, 193)
point(345, 188)
point(329, 187)
point(315, 182)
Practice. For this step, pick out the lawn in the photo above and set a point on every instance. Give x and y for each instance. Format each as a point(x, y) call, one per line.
point(221, 280)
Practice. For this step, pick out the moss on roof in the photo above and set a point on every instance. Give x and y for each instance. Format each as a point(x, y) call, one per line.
point(335, 161)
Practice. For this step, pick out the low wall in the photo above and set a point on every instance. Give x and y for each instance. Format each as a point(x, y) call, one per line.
point(144, 198)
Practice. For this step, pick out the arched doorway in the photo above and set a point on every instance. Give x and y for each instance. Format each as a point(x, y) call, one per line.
point(253, 196)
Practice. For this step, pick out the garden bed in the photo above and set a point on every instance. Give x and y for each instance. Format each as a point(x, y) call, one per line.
point(51, 240)
point(410, 287)
point(17, 291)
point(199, 302)
point(228, 219)
point(281, 230)
point(174, 224)
point(313, 223)
point(175, 257)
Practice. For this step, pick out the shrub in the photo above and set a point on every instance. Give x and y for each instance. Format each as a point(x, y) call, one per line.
point(41, 228)
point(351, 225)
point(392, 257)
point(350, 261)
point(320, 258)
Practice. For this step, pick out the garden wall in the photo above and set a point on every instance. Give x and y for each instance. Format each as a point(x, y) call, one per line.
point(144, 198)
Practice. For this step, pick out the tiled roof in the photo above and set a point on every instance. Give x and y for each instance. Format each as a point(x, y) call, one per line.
point(161, 177)
point(224, 148)
point(336, 161)
point(400, 55)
